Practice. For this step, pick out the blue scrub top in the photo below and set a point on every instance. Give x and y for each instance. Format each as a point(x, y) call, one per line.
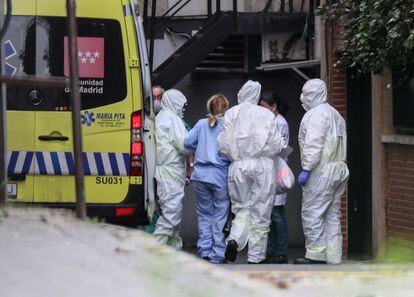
point(209, 166)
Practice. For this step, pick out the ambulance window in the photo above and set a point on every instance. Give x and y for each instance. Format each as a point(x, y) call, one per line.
point(102, 77)
point(19, 56)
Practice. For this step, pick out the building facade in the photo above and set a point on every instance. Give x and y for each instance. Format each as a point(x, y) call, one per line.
point(378, 206)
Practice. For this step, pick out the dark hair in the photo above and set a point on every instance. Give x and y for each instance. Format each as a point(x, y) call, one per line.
point(272, 98)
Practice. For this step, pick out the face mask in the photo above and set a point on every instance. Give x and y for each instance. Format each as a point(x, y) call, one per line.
point(302, 99)
point(181, 114)
point(157, 105)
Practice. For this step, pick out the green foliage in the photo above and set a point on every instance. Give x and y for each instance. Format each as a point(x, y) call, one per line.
point(376, 33)
point(399, 250)
point(96, 220)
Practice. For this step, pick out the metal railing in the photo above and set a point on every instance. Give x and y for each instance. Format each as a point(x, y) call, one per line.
point(171, 13)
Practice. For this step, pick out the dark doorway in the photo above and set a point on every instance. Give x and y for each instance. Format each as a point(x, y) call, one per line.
point(360, 166)
point(198, 87)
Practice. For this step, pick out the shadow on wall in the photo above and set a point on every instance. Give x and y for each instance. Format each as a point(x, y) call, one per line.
point(198, 88)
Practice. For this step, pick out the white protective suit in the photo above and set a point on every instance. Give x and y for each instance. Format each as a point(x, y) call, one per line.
point(322, 141)
point(170, 169)
point(249, 137)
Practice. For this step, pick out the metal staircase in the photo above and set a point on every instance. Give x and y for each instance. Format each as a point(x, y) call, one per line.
point(188, 56)
point(221, 45)
point(228, 57)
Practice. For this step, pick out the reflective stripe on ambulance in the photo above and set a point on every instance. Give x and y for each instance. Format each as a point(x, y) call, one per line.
point(61, 163)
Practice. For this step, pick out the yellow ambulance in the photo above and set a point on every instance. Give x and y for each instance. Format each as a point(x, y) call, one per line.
point(117, 113)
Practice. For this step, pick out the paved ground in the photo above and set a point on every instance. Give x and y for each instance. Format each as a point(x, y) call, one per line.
point(294, 252)
point(356, 280)
point(50, 253)
point(351, 279)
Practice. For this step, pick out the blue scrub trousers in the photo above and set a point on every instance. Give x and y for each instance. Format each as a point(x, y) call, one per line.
point(213, 205)
point(278, 235)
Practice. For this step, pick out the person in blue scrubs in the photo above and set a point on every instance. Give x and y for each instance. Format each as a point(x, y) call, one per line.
point(209, 179)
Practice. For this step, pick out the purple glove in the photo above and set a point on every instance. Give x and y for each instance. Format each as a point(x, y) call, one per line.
point(303, 177)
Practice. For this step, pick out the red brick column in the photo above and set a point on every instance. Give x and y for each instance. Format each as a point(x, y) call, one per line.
point(337, 84)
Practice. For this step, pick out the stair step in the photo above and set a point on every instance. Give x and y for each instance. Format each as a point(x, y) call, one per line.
point(226, 55)
point(221, 62)
point(219, 70)
point(234, 42)
point(221, 47)
point(236, 37)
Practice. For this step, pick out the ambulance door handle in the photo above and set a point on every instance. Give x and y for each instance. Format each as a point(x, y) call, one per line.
point(51, 138)
point(17, 177)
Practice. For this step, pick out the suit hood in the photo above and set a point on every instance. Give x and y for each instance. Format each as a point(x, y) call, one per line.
point(249, 92)
point(314, 92)
point(174, 101)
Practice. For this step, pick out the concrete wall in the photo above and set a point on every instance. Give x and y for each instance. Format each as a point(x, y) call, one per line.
point(194, 7)
point(162, 7)
point(199, 7)
point(258, 5)
point(164, 48)
point(198, 88)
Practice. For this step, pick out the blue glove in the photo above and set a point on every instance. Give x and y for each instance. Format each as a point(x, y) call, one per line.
point(303, 177)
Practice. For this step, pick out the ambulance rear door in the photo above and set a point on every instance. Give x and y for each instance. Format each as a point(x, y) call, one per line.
point(19, 46)
point(105, 99)
point(141, 86)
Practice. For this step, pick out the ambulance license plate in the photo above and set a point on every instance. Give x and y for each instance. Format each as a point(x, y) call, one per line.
point(12, 190)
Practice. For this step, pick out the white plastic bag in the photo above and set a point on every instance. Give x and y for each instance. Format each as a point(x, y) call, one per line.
point(284, 177)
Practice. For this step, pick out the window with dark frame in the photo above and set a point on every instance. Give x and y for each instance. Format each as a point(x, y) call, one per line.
point(403, 101)
point(35, 46)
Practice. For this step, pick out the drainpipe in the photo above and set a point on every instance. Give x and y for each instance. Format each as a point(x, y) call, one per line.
point(317, 38)
point(145, 17)
point(321, 51)
point(152, 33)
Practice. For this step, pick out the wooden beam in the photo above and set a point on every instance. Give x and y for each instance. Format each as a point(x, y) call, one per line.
point(381, 124)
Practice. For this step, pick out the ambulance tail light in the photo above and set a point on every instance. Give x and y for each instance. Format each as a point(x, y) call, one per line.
point(137, 150)
point(124, 211)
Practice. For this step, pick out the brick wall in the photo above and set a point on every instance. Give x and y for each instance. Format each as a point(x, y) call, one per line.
point(400, 196)
point(337, 86)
